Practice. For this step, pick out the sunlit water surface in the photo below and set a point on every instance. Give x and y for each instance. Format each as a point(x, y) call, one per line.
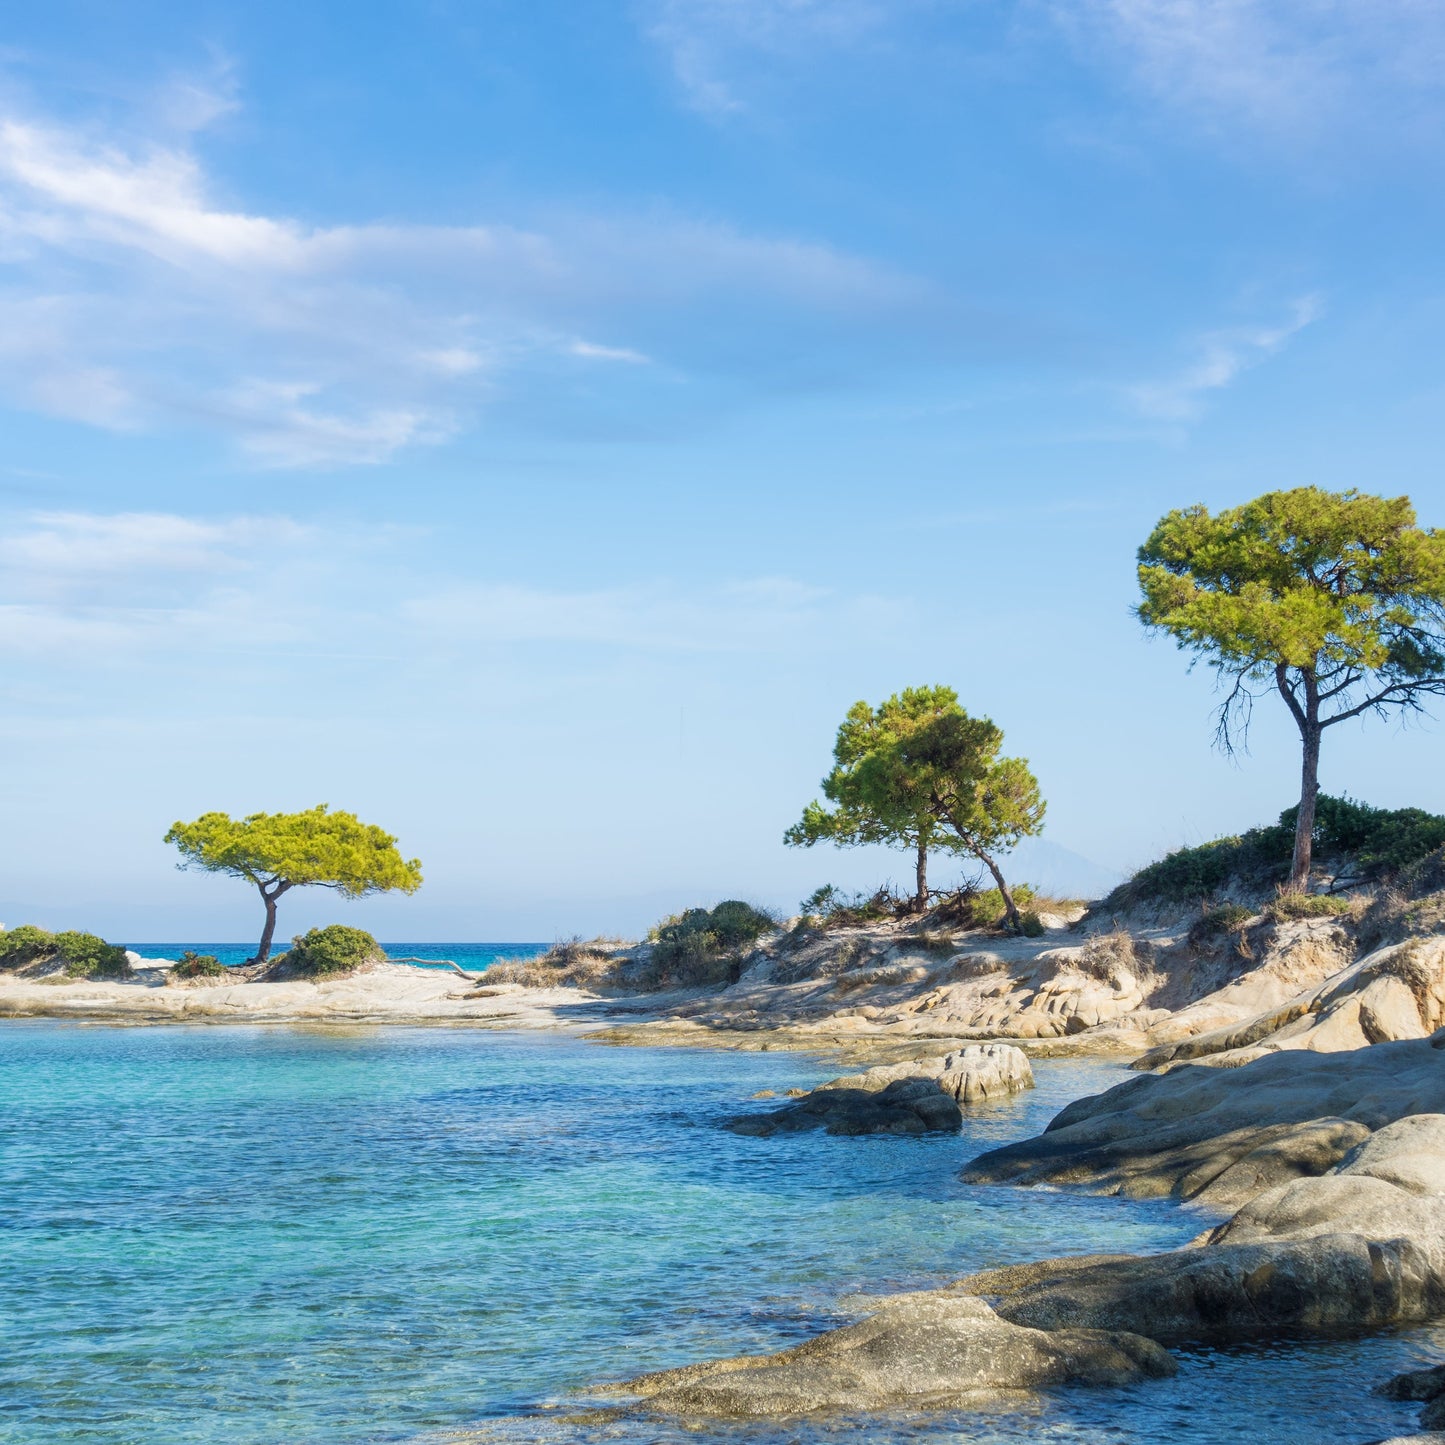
point(246, 1235)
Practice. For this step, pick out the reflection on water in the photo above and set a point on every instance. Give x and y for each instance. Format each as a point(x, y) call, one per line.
point(259, 1236)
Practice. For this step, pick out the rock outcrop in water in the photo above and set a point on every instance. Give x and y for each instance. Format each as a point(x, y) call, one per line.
point(1335, 1166)
point(1223, 1135)
point(915, 1097)
point(920, 1349)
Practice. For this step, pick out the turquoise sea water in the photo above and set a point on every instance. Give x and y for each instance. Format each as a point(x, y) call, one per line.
point(471, 956)
point(331, 1236)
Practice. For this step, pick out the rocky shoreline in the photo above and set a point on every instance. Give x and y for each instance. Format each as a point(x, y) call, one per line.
point(1292, 1073)
point(1334, 1167)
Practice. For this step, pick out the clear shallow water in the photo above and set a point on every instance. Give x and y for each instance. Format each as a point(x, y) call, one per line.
point(472, 956)
point(245, 1235)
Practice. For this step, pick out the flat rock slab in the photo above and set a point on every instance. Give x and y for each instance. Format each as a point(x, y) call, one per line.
point(916, 1097)
point(1218, 1135)
point(927, 1349)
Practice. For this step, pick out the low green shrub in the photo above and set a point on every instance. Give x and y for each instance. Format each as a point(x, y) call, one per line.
point(19, 946)
point(836, 909)
point(1217, 922)
point(1290, 906)
point(1030, 924)
point(333, 949)
point(701, 946)
point(984, 908)
point(88, 956)
point(1417, 881)
point(198, 965)
point(1353, 838)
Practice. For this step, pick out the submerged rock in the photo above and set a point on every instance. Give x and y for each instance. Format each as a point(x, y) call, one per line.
point(916, 1097)
point(921, 1349)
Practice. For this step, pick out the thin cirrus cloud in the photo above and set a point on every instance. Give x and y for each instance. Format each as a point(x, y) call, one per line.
point(120, 587)
point(709, 44)
point(136, 300)
point(1284, 68)
point(1221, 357)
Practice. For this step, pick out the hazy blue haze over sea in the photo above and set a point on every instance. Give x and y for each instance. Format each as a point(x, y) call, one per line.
point(471, 956)
point(343, 1235)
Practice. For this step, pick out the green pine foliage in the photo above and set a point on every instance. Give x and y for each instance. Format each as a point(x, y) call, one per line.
point(1335, 601)
point(276, 852)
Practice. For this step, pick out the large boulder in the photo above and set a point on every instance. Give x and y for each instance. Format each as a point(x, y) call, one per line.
point(1327, 1283)
point(1396, 992)
point(927, 1349)
point(1220, 1135)
point(918, 1097)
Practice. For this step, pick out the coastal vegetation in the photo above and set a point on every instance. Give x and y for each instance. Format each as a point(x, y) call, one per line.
point(335, 949)
point(276, 852)
point(73, 953)
point(920, 772)
point(1334, 600)
point(1357, 843)
point(704, 945)
point(197, 965)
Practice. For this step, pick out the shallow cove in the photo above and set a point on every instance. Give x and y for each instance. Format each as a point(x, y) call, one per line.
point(266, 1235)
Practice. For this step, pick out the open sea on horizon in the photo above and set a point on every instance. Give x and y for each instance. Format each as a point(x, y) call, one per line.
point(243, 1235)
point(473, 957)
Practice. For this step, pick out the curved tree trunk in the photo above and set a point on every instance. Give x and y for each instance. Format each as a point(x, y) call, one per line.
point(276, 889)
point(263, 949)
point(1010, 908)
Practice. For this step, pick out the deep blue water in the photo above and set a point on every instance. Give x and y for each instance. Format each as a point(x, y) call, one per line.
point(472, 956)
point(333, 1236)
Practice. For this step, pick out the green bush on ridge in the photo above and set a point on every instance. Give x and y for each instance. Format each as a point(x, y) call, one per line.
point(1217, 922)
point(82, 955)
point(198, 965)
point(26, 944)
point(700, 946)
point(1290, 906)
point(88, 956)
point(332, 950)
point(1367, 843)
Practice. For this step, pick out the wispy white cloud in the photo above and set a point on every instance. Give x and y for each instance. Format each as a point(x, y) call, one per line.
point(710, 43)
point(142, 299)
point(1221, 356)
point(1284, 68)
point(113, 588)
point(591, 351)
point(58, 547)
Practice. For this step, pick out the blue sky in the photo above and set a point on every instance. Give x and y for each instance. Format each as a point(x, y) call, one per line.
point(531, 425)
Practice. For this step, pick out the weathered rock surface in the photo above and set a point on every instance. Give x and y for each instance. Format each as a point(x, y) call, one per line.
point(390, 993)
point(1341, 1224)
point(1220, 1135)
point(926, 1349)
point(914, 1097)
point(1332, 1283)
point(1396, 992)
point(1360, 1248)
